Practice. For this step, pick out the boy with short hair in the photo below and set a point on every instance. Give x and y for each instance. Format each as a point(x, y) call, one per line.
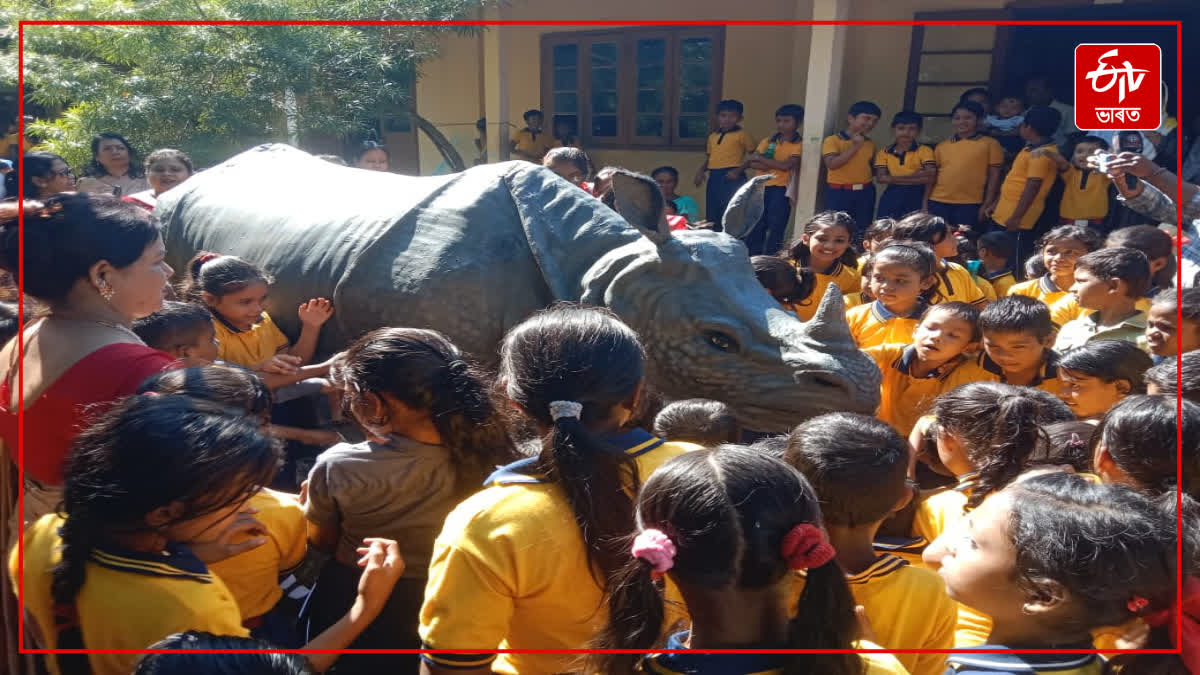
point(572, 164)
point(779, 156)
point(697, 420)
point(995, 251)
point(725, 154)
point(858, 467)
point(847, 156)
point(181, 329)
point(667, 178)
point(1023, 193)
point(1085, 192)
point(531, 143)
point(1110, 282)
point(906, 167)
point(1017, 339)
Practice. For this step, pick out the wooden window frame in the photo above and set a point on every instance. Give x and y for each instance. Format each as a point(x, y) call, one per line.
point(627, 39)
point(916, 50)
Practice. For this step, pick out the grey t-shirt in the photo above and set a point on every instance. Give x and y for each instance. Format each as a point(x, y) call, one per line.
point(402, 490)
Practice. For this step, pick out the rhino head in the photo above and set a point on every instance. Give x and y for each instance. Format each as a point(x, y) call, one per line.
point(712, 331)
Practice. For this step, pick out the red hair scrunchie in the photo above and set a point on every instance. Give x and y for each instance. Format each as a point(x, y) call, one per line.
point(207, 257)
point(806, 546)
point(1189, 641)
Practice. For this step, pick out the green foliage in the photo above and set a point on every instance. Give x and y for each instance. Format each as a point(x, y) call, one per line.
point(213, 91)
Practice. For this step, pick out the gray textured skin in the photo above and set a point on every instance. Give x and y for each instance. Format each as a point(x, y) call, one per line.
point(474, 253)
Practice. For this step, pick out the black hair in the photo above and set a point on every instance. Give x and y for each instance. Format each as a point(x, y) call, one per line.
point(975, 90)
point(95, 168)
point(908, 117)
point(782, 280)
point(793, 110)
point(1017, 314)
point(1090, 239)
point(1156, 244)
point(170, 153)
point(481, 124)
point(998, 426)
point(798, 251)
point(220, 275)
point(959, 310)
point(1011, 93)
point(774, 445)
point(733, 105)
point(1044, 120)
point(37, 165)
point(865, 108)
point(1110, 361)
point(530, 113)
point(224, 385)
point(570, 155)
point(1063, 443)
point(1186, 300)
point(923, 227)
point(697, 420)
point(1096, 140)
point(10, 316)
point(914, 255)
point(999, 244)
point(586, 356)
point(666, 169)
point(67, 235)
point(727, 512)
point(1139, 434)
point(147, 452)
point(857, 465)
point(1125, 264)
point(192, 654)
point(880, 230)
point(1165, 377)
point(175, 326)
point(367, 146)
point(971, 107)
point(1061, 524)
point(425, 371)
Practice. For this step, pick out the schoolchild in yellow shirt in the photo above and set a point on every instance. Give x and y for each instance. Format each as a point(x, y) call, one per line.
point(724, 158)
point(1159, 248)
point(915, 374)
point(1017, 339)
point(1058, 250)
point(968, 169)
point(157, 486)
point(1101, 374)
point(779, 156)
point(906, 167)
point(848, 156)
point(1085, 191)
point(955, 283)
point(902, 281)
point(995, 251)
point(531, 143)
point(858, 467)
point(693, 518)
point(1023, 194)
point(824, 248)
point(1110, 282)
point(529, 561)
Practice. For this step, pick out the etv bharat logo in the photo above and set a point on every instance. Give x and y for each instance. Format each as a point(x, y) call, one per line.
point(1117, 87)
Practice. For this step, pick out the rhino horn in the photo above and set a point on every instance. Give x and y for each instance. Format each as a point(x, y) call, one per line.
point(745, 208)
point(829, 326)
point(640, 202)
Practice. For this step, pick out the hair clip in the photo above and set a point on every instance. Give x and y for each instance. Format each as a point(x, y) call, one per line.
point(1137, 604)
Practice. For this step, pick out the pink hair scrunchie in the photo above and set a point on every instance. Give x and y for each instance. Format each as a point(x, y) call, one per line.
point(656, 548)
point(806, 547)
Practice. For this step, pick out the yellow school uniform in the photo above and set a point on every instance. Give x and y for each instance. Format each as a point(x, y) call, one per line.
point(509, 570)
point(955, 284)
point(727, 149)
point(963, 168)
point(253, 576)
point(903, 398)
point(689, 662)
point(1085, 195)
point(852, 299)
point(249, 347)
point(1043, 288)
point(1024, 168)
point(783, 151)
point(847, 278)
point(905, 548)
point(907, 607)
point(982, 368)
point(873, 324)
point(128, 600)
point(533, 143)
point(1001, 282)
point(858, 169)
point(904, 163)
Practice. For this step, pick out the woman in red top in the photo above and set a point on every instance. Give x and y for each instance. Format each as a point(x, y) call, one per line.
point(96, 264)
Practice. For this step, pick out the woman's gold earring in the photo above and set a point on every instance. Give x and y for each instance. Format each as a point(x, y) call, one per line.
point(106, 291)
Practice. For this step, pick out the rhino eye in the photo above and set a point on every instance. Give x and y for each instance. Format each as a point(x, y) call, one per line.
point(721, 341)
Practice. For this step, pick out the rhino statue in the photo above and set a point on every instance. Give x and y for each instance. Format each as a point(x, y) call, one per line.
point(472, 254)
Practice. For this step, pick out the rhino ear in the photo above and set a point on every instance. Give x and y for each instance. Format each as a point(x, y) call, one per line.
point(640, 202)
point(746, 208)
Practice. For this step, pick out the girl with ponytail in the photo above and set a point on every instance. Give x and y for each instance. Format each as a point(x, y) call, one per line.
point(433, 436)
point(529, 561)
point(730, 527)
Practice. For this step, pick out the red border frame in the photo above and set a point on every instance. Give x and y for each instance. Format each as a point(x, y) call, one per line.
point(21, 279)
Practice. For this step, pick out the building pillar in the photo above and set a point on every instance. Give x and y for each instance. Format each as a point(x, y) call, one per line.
point(821, 99)
point(495, 86)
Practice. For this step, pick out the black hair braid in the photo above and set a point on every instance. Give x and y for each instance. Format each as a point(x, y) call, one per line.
point(636, 614)
point(824, 587)
point(78, 539)
point(1014, 435)
point(463, 413)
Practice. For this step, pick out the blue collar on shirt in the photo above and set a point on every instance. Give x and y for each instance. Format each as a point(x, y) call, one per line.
point(908, 545)
point(845, 136)
point(712, 664)
point(972, 137)
point(633, 443)
point(1047, 284)
point(794, 139)
point(1152, 291)
point(1001, 659)
point(1035, 146)
point(176, 561)
point(891, 150)
point(1049, 368)
point(996, 275)
point(884, 314)
point(721, 137)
